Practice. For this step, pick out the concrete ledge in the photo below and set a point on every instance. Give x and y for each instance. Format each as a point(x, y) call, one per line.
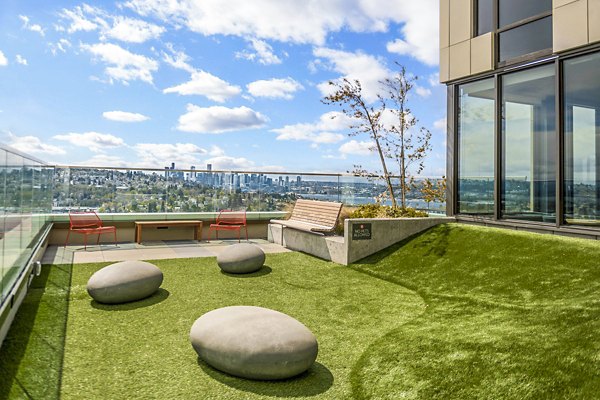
point(384, 232)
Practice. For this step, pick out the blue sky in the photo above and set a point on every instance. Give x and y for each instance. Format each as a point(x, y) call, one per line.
point(233, 83)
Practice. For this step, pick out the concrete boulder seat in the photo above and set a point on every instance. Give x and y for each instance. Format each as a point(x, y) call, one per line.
point(254, 342)
point(124, 282)
point(241, 258)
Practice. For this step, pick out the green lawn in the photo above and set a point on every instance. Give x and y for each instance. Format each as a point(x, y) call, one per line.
point(457, 312)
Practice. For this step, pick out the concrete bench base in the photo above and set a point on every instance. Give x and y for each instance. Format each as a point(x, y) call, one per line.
point(344, 250)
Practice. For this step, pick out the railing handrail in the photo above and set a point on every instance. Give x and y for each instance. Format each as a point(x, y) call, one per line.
point(228, 171)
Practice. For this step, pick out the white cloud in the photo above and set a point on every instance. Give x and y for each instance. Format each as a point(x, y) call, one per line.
point(178, 59)
point(133, 30)
point(123, 116)
point(262, 52)
point(218, 119)
point(31, 27)
point(420, 32)
point(78, 21)
point(20, 60)
point(325, 131)
point(123, 66)
point(205, 84)
point(356, 148)
point(368, 69)
point(274, 88)
point(306, 22)
point(440, 124)
point(225, 163)
point(61, 46)
point(183, 155)
point(94, 141)
point(33, 145)
point(3, 59)
point(423, 91)
point(216, 151)
point(104, 160)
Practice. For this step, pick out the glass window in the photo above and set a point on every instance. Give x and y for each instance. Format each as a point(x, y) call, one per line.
point(525, 39)
point(511, 11)
point(485, 16)
point(476, 148)
point(529, 145)
point(582, 139)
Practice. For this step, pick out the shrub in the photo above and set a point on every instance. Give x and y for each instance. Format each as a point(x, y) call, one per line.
point(376, 211)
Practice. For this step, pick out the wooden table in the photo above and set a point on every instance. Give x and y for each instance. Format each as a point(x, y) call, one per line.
point(158, 224)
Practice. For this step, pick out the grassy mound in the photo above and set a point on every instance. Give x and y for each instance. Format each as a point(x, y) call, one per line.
point(509, 315)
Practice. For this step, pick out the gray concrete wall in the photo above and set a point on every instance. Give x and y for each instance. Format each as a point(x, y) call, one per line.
point(345, 250)
point(384, 233)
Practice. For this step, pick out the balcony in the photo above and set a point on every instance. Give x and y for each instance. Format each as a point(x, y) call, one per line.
point(457, 311)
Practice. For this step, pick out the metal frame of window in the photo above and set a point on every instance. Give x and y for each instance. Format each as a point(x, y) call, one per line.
point(496, 31)
point(560, 226)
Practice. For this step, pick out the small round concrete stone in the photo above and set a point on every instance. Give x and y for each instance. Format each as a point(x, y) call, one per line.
point(254, 342)
point(124, 282)
point(241, 258)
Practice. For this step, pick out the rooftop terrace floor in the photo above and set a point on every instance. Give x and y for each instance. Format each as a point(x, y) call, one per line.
point(158, 250)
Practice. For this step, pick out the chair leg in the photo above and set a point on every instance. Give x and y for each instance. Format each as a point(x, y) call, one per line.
point(85, 242)
point(68, 234)
point(98, 240)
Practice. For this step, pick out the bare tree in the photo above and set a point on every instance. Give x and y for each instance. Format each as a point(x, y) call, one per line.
point(401, 141)
point(348, 95)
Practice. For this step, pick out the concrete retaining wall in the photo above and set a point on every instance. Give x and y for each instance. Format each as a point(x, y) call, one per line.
point(344, 250)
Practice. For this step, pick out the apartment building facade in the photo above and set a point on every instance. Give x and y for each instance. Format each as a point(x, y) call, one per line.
point(523, 126)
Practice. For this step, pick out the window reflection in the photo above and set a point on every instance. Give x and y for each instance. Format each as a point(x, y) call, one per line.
point(512, 11)
point(529, 145)
point(582, 139)
point(476, 148)
point(525, 39)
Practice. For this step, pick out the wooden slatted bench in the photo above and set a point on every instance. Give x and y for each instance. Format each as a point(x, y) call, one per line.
point(318, 217)
point(159, 224)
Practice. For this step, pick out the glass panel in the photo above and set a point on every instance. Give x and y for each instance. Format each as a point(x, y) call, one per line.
point(3, 264)
point(12, 224)
point(582, 139)
point(512, 11)
point(529, 145)
point(476, 148)
point(525, 39)
point(485, 16)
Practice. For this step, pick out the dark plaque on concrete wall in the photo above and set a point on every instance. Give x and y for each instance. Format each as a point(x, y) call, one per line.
point(361, 231)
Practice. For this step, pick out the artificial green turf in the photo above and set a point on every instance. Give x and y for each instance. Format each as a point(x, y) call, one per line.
point(510, 315)
point(457, 312)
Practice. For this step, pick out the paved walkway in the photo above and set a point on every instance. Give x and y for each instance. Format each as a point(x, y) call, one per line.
point(146, 251)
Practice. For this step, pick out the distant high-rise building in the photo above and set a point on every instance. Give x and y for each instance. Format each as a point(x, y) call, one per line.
point(209, 167)
point(298, 180)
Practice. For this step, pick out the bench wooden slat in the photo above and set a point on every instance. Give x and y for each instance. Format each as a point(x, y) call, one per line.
point(313, 216)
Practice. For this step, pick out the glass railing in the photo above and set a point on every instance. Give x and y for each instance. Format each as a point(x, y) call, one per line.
point(147, 190)
point(25, 204)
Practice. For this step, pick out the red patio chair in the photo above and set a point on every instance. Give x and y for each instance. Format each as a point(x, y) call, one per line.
point(228, 220)
point(88, 223)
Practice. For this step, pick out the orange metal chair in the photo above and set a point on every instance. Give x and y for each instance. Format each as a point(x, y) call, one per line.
point(88, 223)
point(228, 220)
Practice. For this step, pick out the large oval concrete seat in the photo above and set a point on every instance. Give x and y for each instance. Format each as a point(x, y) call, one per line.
point(241, 258)
point(124, 282)
point(254, 342)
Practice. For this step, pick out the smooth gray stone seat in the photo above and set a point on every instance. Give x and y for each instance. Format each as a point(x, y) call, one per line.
point(241, 258)
point(124, 282)
point(254, 342)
